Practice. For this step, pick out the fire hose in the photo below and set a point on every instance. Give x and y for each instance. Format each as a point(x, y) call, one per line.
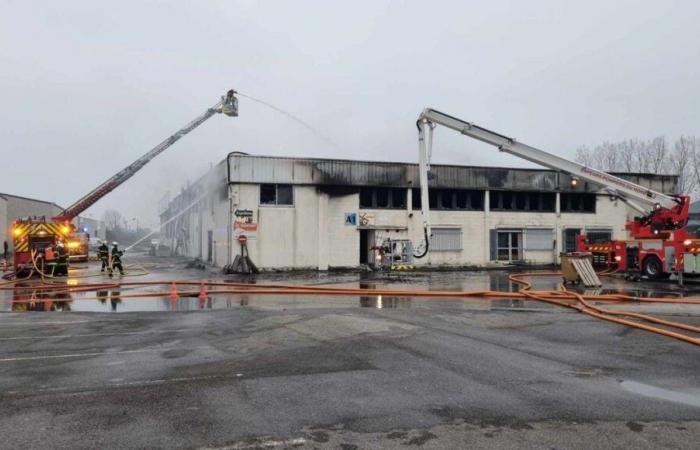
point(563, 298)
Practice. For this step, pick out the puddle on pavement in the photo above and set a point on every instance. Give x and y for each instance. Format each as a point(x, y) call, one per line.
point(648, 390)
point(24, 298)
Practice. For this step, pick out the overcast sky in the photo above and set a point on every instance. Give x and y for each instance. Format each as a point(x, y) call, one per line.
point(88, 86)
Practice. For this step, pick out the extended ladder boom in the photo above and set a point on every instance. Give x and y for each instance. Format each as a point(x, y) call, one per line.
point(662, 213)
point(614, 185)
point(228, 106)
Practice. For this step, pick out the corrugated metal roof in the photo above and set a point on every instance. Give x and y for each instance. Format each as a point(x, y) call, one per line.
point(336, 172)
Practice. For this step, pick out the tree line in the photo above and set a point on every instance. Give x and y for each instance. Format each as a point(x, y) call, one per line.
point(659, 156)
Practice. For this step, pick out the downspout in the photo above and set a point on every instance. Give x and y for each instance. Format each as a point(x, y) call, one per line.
point(229, 227)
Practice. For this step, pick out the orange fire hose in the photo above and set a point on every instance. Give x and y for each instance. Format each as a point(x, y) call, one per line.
point(563, 297)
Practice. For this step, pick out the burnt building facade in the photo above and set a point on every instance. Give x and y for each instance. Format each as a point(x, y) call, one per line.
point(304, 213)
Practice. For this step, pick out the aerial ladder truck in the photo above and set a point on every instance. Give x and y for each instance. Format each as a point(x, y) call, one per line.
point(31, 235)
point(659, 243)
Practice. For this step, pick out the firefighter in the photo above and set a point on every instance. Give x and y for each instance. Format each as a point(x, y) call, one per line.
point(103, 254)
point(50, 258)
point(61, 260)
point(116, 260)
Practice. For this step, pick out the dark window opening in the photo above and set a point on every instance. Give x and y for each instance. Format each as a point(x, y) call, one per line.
point(276, 194)
point(477, 200)
point(446, 196)
point(432, 198)
point(451, 199)
point(382, 198)
point(415, 199)
point(577, 202)
point(398, 198)
point(522, 201)
point(268, 194)
point(366, 198)
point(462, 200)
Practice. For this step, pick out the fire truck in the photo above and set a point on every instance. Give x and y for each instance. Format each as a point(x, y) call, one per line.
point(659, 243)
point(77, 245)
point(31, 235)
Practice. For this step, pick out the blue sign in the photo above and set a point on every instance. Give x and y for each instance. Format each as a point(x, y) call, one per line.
point(351, 219)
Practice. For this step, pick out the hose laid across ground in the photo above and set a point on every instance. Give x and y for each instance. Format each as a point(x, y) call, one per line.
point(562, 297)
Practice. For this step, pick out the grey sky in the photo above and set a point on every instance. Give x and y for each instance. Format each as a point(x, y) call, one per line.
point(85, 88)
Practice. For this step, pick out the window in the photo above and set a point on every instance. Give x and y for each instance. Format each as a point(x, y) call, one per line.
point(277, 194)
point(522, 201)
point(415, 199)
point(382, 198)
point(506, 245)
point(446, 239)
point(598, 237)
point(570, 239)
point(577, 202)
point(539, 239)
point(451, 199)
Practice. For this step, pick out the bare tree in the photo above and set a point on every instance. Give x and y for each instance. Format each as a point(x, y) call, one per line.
point(681, 162)
point(609, 156)
point(112, 219)
point(585, 156)
point(657, 153)
point(682, 158)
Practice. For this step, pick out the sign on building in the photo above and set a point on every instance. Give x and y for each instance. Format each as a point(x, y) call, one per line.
point(245, 226)
point(351, 219)
point(366, 219)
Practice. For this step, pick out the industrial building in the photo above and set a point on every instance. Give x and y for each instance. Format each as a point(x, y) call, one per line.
point(304, 213)
point(13, 207)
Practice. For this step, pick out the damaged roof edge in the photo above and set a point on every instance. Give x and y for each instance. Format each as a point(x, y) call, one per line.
point(244, 168)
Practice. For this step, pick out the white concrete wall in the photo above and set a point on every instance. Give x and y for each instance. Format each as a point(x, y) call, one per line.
point(312, 233)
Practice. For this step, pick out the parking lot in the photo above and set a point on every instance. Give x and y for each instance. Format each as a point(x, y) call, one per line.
point(310, 371)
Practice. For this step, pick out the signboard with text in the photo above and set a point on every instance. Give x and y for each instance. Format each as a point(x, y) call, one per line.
point(245, 227)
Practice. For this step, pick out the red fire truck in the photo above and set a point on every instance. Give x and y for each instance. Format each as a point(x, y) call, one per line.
point(32, 235)
point(659, 243)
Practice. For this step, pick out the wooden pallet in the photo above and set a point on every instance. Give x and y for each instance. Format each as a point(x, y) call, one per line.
point(585, 271)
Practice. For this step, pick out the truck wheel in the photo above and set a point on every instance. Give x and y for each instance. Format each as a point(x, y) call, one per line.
point(652, 267)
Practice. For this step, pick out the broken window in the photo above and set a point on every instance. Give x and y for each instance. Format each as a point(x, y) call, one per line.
point(415, 199)
point(449, 199)
point(366, 198)
point(577, 202)
point(398, 198)
point(382, 198)
point(276, 194)
point(462, 200)
point(522, 201)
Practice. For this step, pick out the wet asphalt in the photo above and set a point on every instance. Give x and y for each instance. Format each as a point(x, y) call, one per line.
point(328, 372)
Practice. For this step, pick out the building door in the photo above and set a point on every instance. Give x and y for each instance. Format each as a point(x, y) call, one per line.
point(570, 239)
point(510, 246)
point(364, 246)
point(210, 245)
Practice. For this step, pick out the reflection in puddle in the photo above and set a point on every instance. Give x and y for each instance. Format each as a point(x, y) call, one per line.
point(380, 302)
point(27, 296)
point(648, 390)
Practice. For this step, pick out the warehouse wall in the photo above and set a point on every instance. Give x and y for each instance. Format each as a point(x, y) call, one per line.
point(312, 233)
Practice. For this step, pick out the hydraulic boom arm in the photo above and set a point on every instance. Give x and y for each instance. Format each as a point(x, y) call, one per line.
point(228, 106)
point(661, 209)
